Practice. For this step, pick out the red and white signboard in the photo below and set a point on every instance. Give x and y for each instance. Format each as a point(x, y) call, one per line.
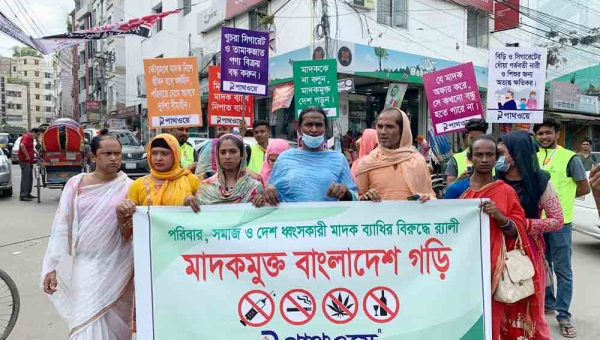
point(225, 109)
point(340, 305)
point(484, 5)
point(506, 15)
point(298, 307)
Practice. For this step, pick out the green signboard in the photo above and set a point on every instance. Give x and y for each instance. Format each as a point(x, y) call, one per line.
point(315, 84)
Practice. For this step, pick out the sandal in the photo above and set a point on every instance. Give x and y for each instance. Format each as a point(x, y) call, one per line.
point(566, 328)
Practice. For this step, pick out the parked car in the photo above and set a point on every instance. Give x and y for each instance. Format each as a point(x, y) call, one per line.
point(4, 140)
point(197, 141)
point(14, 153)
point(6, 188)
point(134, 162)
point(585, 218)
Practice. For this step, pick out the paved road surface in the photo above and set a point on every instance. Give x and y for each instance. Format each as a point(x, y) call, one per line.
point(29, 224)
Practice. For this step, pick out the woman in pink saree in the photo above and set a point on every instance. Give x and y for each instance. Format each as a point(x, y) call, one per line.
point(88, 267)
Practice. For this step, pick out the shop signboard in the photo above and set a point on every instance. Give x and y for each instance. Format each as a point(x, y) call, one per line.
point(453, 98)
point(93, 106)
point(226, 109)
point(282, 96)
point(212, 16)
point(346, 85)
point(115, 123)
point(506, 15)
point(564, 96)
point(244, 61)
point(395, 95)
point(516, 85)
point(589, 104)
point(315, 84)
point(484, 5)
point(318, 271)
point(127, 112)
point(173, 92)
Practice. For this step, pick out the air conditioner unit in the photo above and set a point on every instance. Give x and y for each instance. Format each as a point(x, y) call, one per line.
point(364, 4)
point(141, 86)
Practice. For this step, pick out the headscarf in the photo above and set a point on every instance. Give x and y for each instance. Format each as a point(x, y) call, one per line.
point(276, 147)
point(214, 190)
point(406, 156)
point(175, 182)
point(534, 180)
point(368, 141)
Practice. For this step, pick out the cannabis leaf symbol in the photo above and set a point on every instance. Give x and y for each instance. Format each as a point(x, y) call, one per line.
point(337, 310)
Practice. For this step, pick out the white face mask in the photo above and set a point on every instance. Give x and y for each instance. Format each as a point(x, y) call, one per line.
point(313, 142)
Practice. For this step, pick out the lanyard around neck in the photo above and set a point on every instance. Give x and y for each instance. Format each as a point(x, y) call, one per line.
point(549, 159)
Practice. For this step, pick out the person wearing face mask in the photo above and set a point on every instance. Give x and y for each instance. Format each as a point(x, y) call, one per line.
point(570, 180)
point(394, 170)
point(518, 167)
point(311, 173)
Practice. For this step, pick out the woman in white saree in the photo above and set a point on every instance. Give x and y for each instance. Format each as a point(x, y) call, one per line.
point(88, 267)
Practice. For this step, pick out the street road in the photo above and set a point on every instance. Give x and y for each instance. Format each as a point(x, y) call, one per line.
point(25, 227)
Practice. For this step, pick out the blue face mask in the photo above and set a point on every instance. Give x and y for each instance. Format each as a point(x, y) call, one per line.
point(313, 142)
point(501, 166)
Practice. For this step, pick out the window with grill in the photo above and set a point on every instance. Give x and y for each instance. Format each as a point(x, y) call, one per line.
point(187, 7)
point(255, 15)
point(392, 13)
point(478, 28)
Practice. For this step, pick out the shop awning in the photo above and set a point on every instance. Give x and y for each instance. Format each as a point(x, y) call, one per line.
point(565, 115)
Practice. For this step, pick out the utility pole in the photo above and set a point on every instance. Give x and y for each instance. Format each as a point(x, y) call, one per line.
point(336, 128)
point(104, 60)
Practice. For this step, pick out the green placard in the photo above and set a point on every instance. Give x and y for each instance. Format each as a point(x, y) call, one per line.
point(315, 84)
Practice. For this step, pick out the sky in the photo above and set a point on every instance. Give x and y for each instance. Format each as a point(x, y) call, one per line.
point(49, 15)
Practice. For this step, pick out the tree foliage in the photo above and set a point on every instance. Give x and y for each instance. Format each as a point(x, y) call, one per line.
point(25, 52)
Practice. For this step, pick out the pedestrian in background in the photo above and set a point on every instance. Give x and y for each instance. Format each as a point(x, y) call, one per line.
point(88, 267)
point(459, 163)
point(26, 160)
point(366, 144)
point(394, 171)
point(276, 147)
point(188, 156)
point(262, 133)
point(569, 178)
point(587, 157)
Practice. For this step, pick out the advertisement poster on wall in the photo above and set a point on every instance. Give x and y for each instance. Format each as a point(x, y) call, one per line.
point(516, 85)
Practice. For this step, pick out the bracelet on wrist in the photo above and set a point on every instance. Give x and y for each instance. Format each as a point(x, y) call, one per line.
point(507, 226)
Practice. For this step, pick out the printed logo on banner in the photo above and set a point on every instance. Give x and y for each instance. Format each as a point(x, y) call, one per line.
point(256, 308)
point(298, 307)
point(340, 305)
point(381, 304)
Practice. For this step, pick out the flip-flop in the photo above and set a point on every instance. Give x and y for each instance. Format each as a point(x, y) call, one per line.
point(566, 327)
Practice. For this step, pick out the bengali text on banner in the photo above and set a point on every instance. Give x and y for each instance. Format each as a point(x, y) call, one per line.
point(345, 270)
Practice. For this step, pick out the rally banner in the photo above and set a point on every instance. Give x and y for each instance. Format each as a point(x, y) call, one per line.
point(137, 26)
point(344, 270)
point(453, 98)
point(9, 28)
point(516, 85)
point(173, 92)
point(226, 109)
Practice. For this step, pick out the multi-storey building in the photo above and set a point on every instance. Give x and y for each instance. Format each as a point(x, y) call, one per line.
point(30, 70)
point(63, 75)
point(49, 94)
point(100, 64)
point(17, 108)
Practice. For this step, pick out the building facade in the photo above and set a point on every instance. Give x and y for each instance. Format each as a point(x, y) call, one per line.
point(17, 108)
point(63, 71)
point(100, 64)
point(30, 70)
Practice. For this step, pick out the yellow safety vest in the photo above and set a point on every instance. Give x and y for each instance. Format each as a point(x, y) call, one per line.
point(257, 158)
point(556, 161)
point(187, 155)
